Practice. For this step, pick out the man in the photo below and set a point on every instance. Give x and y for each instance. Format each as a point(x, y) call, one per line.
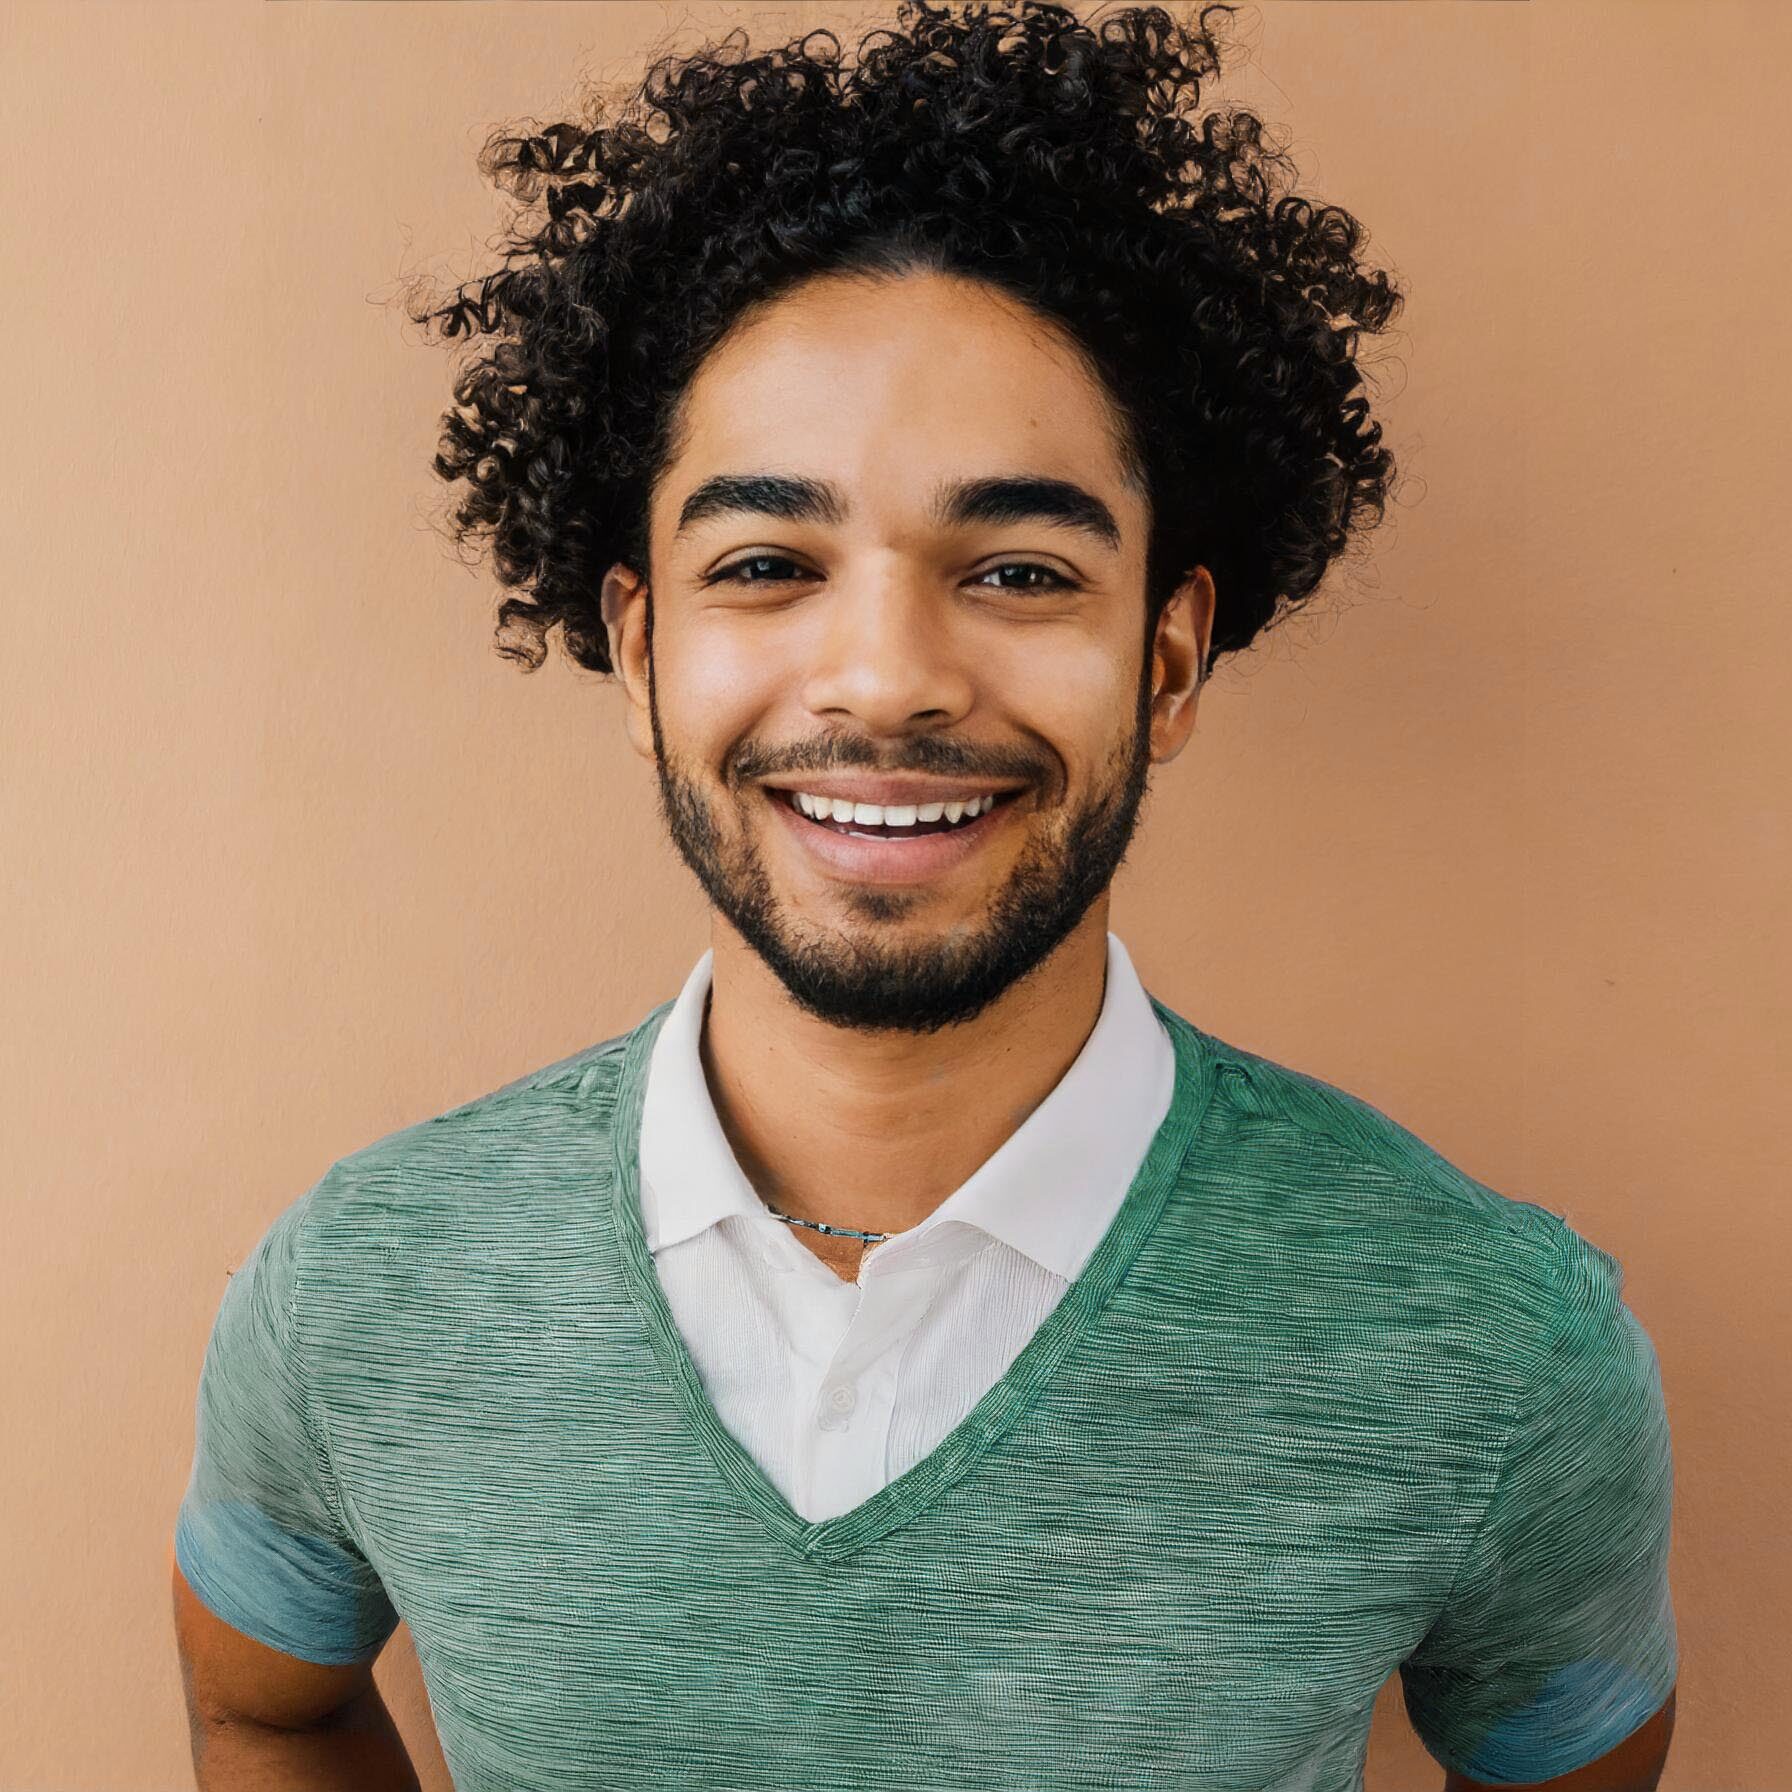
point(914, 1356)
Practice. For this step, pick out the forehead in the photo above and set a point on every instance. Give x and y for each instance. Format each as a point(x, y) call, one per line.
point(889, 387)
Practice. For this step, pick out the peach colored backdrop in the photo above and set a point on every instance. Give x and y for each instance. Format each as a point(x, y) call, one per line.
point(292, 858)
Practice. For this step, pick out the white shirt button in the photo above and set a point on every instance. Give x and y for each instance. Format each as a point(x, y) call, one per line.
point(837, 1400)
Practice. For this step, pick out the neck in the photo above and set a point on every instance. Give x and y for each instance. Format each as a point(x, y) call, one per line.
point(875, 1130)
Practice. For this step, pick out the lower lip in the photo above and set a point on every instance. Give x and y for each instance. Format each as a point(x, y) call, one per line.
point(876, 860)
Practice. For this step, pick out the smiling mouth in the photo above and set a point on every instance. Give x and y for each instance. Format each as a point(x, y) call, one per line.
point(942, 823)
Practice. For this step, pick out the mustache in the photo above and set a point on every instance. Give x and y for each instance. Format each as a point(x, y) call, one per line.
point(925, 753)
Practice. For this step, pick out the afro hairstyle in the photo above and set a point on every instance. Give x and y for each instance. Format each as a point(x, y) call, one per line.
point(1060, 160)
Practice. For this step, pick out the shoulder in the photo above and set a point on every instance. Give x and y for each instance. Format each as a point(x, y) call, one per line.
point(464, 1171)
point(1361, 1188)
point(1354, 1234)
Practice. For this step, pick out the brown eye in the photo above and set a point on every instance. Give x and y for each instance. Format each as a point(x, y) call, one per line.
point(736, 574)
point(1058, 581)
point(739, 573)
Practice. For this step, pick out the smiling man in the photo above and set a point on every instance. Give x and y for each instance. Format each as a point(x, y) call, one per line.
point(914, 1356)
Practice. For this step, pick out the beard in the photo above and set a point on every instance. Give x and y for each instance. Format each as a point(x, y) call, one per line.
point(874, 985)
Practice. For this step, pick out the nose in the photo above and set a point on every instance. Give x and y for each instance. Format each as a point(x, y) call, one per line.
point(885, 657)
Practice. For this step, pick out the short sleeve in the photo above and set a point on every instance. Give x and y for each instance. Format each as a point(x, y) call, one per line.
point(259, 1534)
point(1557, 1640)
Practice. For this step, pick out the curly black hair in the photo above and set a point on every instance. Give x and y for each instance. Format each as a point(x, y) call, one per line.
point(1054, 158)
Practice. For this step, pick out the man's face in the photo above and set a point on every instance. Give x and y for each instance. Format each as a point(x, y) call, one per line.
point(827, 623)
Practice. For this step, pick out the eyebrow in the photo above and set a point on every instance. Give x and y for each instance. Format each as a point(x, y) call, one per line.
point(794, 499)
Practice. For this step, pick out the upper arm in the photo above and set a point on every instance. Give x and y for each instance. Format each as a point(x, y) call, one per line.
point(262, 1543)
point(1556, 1644)
point(1633, 1766)
point(230, 1677)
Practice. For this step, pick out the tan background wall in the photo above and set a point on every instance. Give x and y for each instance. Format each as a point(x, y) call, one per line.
point(292, 858)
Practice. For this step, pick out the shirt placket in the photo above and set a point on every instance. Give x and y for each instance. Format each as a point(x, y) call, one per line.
point(844, 1433)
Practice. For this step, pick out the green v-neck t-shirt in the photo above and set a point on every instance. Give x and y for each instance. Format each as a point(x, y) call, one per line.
point(1319, 1408)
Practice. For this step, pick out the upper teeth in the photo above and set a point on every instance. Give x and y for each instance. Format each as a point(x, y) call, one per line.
point(890, 815)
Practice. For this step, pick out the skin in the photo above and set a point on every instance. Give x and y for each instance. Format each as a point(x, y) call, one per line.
point(928, 1020)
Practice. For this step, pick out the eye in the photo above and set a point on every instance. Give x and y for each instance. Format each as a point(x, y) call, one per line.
point(735, 574)
point(1058, 581)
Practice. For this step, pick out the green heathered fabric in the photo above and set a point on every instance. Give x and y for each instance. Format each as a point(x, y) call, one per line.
point(1320, 1408)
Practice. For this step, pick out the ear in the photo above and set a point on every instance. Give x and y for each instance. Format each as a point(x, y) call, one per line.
point(1178, 654)
point(624, 601)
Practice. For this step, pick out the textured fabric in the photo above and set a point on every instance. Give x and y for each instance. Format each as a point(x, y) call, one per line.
point(1319, 1407)
point(260, 1534)
point(836, 1387)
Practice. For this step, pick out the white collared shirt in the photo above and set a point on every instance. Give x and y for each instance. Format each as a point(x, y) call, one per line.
point(835, 1388)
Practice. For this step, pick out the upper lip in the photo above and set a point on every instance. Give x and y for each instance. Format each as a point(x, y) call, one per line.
point(864, 787)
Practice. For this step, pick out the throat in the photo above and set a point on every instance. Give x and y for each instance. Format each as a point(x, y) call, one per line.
point(845, 1257)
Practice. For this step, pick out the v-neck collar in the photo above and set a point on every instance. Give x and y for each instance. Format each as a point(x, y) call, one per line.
point(1009, 1399)
point(1048, 1191)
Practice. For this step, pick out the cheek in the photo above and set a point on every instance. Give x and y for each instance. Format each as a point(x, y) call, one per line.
point(712, 686)
point(1076, 690)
